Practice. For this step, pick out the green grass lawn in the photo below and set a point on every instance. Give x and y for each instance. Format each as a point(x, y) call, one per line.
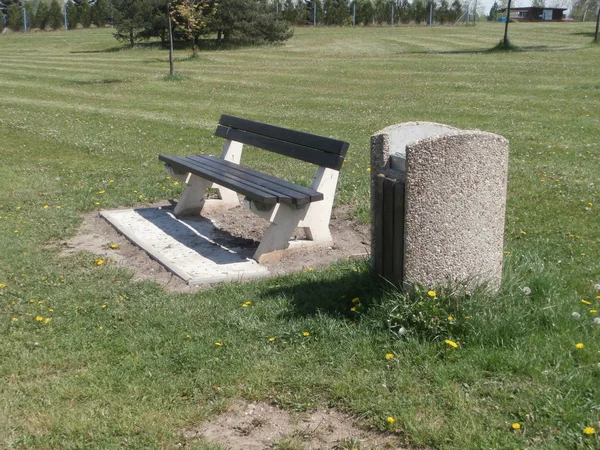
point(90, 359)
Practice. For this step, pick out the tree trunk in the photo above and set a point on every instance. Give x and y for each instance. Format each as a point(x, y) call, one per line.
point(131, 42)
point(219, 36)
point(506, 25)
point(194, 45)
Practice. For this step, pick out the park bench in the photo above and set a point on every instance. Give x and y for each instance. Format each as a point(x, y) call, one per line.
point(285, 205)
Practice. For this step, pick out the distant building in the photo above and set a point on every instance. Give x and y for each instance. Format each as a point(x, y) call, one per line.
point(536, 14)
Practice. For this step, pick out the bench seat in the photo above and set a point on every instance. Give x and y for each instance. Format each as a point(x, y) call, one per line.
point(257, 186)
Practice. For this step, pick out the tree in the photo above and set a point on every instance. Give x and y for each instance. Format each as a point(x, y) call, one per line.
point(493, 15)
point(365, 12)
point(15, 17)
point(538, 3)
point(443, 12)
point(405, 12)
point(100, 13)
point(191, 19)
point(84, 12)
point(42, 15)
point(420, 11)
point(455, 11)
point(72, 15)
point(129, 20)
point(293, 13)
point(248, 21)
point(55, 15)
point(337, 12)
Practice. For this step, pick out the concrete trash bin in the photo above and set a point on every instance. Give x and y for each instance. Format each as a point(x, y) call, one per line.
point(438, 202)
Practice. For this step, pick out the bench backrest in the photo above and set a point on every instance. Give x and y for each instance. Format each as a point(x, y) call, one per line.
point(311, 148)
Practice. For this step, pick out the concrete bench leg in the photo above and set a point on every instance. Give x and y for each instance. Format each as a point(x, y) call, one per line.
point(283, 224)
point(313, 218)
point(192, 199)
point(316, 221)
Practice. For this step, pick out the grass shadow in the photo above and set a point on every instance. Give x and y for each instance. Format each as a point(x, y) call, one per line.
point(331, 295)
point(106, 50)
point(92, 82)
point(495, 49)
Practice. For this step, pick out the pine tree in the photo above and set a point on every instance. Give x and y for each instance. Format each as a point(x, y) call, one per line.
point(55, 15)
point(493, 15)
point(72, 15)
point(42, 15)
point(15, 17)
point(364, 12)
point(84, 13)
point(99, 13)
point(248, 21)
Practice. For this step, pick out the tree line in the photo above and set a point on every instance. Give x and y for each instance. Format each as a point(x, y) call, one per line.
point(233, 21)
point(45, 14)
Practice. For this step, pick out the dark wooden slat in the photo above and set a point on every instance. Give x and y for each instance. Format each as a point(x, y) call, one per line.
point(250, 191)
point(398, 243)
point(317, 157)
point(300, 193)
point(388, 228)
point(321, 143)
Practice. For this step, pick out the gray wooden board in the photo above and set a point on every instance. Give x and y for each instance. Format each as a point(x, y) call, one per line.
point(188, 248)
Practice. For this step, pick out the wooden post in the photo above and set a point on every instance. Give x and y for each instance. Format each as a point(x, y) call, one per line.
point(597, 25)
point(171, 68)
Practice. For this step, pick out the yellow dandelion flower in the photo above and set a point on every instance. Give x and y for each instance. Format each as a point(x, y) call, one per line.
point(50, 310)
point(306, 333)
point(187, 336)
point(100, 328)
point(271, 339)
point(100, 192)
point(353, 309)
point(389, 356)
point(579, 346)
point(390, 420)
point(15, 319)
point(467, 317)
point(58, 206)
point(41, 302)
point(593, 311)
point(176, 183)
point(39, 318)
point(585, 302)
point(451, 343)
point(589, 431)
point(516, 426)
point(113, 246)
point(99, 261)
point(355, 300)
point(218, 344)
point(2, 285)
point(46, 207)
point(32, 301)
point(96, 203)
point(431, 293)
point(104, 306)
point(111, 181)
point(48, 320)
point(450, 318)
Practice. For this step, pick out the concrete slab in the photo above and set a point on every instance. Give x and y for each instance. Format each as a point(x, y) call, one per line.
point(191, 248)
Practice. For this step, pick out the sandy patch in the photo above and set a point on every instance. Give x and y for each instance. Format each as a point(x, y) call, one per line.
point(259, 426)
point(238, 226)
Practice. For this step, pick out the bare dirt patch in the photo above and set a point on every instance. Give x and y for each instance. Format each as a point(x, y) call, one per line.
point(259, 426)
point(237, 226)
